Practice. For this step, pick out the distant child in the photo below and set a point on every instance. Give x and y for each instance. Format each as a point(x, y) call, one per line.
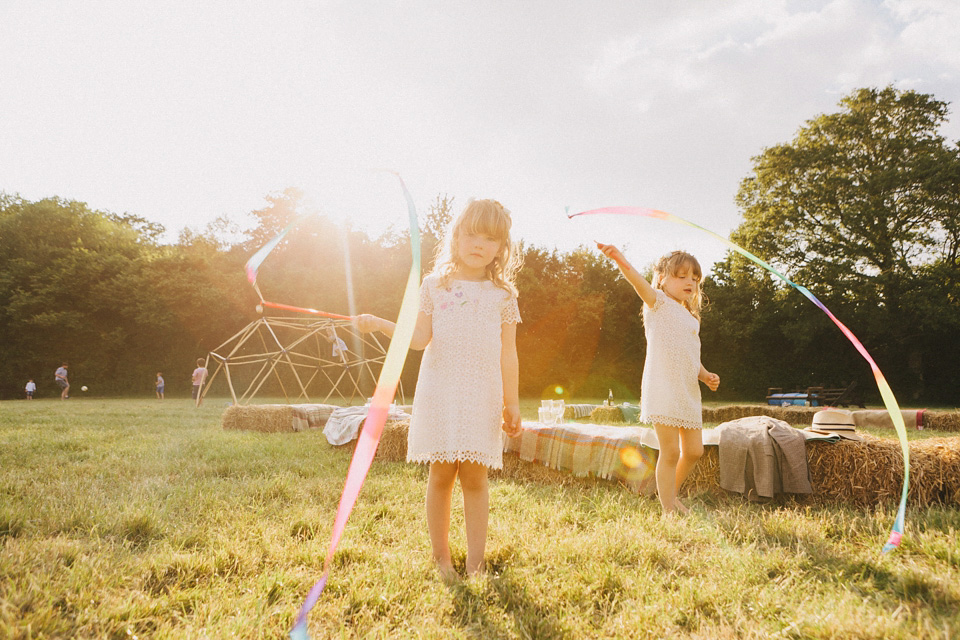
point(669, 392)
point(31, 387)
point(159, 386)
point(339, 347)
point(199, 375)
point(467, 388)
point(61, 377)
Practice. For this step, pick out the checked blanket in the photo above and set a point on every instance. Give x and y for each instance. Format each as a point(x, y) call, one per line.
point(591, 450)
point(307, 416)
point(575, 411)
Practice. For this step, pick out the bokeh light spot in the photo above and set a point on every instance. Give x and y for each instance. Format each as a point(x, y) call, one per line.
point(630, 457)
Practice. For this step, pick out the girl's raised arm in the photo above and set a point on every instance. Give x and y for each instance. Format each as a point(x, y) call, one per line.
point(646, 292)
point(422, 332)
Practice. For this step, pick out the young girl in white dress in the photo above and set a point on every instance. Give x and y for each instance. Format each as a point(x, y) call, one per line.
point(669, 392)
point(467, 388)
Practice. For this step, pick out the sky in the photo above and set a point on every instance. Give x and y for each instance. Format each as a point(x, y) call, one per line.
point(183, 112)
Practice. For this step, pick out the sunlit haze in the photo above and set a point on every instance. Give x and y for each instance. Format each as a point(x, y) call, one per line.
point(182, 112)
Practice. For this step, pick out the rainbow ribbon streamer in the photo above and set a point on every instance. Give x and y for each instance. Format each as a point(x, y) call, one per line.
point(253, 264)
point(376, 416)
point(889, 401)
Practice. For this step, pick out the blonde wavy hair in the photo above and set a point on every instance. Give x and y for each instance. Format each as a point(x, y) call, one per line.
point(487, 217)
point(674, 263)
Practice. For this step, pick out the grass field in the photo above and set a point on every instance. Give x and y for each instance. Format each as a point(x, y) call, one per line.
point(136, 518)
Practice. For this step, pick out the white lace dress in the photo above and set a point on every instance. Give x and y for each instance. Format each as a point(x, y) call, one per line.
point(670, 391)
point(458, 404)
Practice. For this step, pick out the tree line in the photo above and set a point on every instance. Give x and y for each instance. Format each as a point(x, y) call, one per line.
point(861, 207)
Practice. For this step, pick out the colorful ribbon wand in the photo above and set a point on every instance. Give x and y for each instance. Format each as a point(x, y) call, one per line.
point(376, 416)
point(253, 266)
point(889, 401)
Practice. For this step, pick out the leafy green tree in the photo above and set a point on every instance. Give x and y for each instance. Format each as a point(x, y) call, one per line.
point(581, 330)
point(862, 206)
point(70, 279)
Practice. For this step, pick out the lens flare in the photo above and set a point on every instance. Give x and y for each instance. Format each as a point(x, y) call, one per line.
point(558, 390)
point(630, 457)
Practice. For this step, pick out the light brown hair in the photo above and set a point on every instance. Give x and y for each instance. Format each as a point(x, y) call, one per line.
point(674, 263)
point(487, 217)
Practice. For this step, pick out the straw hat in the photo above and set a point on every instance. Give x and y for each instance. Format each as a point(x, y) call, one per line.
point(835, 421)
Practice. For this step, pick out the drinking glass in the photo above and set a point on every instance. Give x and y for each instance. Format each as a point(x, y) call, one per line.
point(559, 407)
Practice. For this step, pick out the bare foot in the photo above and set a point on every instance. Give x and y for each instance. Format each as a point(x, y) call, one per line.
point(447, 573)
point(680, 507)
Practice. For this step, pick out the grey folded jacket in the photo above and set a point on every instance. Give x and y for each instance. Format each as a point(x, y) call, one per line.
point(762, 456)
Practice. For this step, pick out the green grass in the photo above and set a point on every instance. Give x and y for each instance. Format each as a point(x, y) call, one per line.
point(123, 518)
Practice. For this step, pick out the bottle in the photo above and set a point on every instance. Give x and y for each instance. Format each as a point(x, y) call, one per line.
point(610, 397)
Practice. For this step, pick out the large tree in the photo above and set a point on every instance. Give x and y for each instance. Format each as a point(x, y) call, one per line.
point(862, 206)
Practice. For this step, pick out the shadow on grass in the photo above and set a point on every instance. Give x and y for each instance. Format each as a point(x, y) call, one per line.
point(500, 607)
point(868, 576)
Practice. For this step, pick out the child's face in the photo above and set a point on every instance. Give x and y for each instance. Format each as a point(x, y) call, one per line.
point(477, 250)
point(682, 285)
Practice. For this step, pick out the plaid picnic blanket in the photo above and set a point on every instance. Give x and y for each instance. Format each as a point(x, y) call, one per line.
point(590, 449)
point(307, 416)
point(575, 411)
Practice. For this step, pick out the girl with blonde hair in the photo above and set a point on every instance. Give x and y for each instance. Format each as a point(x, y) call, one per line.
point(467, 390)
point(669, 391)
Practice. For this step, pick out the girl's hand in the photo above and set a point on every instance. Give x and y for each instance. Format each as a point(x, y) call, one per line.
point(511, 420)
point(712, 380)
point(613, 253)
point(366, 323)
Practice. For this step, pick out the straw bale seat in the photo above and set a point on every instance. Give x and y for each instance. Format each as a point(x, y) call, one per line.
point(274, 418)
point(607, 415)
point(577, 411)
point(863, 473)
point(877, 418)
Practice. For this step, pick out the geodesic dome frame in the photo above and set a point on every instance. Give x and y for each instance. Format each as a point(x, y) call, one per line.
point(297, 354)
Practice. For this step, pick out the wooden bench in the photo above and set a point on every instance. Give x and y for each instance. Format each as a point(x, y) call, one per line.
point(817, 397)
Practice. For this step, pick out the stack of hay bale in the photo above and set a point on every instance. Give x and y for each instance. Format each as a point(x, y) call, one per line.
point(267, 418)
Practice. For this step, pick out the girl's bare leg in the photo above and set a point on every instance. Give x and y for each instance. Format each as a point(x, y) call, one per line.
point(439, 493)
point(691, 450)
point(476, 513)
point(667, 461)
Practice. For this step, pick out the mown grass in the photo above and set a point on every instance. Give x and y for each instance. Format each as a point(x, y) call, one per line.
point(123, 518)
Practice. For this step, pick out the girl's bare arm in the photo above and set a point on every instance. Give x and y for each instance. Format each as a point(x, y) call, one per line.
point(643, 288)
point(422, 332)
point(510, 371)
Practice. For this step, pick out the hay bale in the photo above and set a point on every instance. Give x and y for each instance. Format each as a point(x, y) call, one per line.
point(267, 418)
point(393, 441)
point(607, 415)
point(791, 414)
point(863, 473)
point(796, 415)
point(941, 420)
point(311, 416)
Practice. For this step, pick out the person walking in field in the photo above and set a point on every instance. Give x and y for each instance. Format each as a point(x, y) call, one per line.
point(61, 378)
point(160, 386)
point(199, 375)
point(467, 390)
point(669, 391)
point(31, 388)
